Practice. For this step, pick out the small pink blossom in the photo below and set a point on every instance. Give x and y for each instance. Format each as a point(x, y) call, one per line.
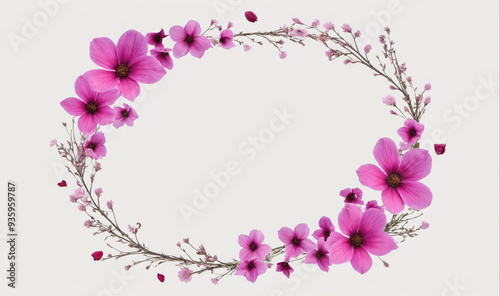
point(427, 87)
point(125, 115)
point(410, 133)
point(299, 32)
point(367, 48)
point(53, 142)
point(250, 16)
point(285, 268)
point(226, 39)
point(98, 166)
point(160, 277)
point(357, 34)
point(246, 47)
point(162, 54)
point(185, 274)
point(251, 269)
point(319, 256)
point(97, 255)
point(296, 240)
point(109, 204)
point(352, 195)
point(88, 223)
point(391, 87)
point(282, 55)
point(230, 25)
point(156, 39)
point(214, 281)
point(315, 23)
point(127, 267)
point(94, 147)
point(373, 204)
point(392, 112)
point(79, 193)
point(252, 246)
point(389, 100)
point(328, 26)
point(98, 191)
point(325, 229)
point(132, 229)
point(346, 28)
point(297, 21)
point(439, 148)
point(81, 208)
point(189, 40)
point(362, 234)
point(424, 225)
point(427, 100)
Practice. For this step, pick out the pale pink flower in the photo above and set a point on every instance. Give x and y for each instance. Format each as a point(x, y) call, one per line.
point(53, 142)
point(315, 23)
point(156, 39)
point(81, 208)
point(410, 133)
point(362, 234)
point(357, 34)
point(189, 40)
point(88, 223)
point(162, 54)
point(98, 191)
point(79, 193)
point(427, 100)
point(427, 87)
point(285, 268)
point(252, 246)
point(251, 269)
point(399, 179)
point(389, 100)
point(226, 39)
point(214, 281)
point(109, 204)
point(299, 32)
point(424, 225)
point(250, 16)
point(325, 229)
point(282, 55)
point(125, 115)
point(319, 256)
point(346, 28)
point(246, 47)
point(125, 64)
point(92, 107)
point(367, 48)
point(328, 26)
point(296, 240)
point(94, 147)
point(185, 274)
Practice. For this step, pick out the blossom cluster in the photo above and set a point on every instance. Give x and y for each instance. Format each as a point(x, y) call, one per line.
point(362, 227)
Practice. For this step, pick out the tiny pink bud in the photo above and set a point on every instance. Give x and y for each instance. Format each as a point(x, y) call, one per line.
point(109, 203)
point(392, 87)
point(367, 48)
point(214, 281)
point(389, 100)
point(214, 22)
point(297, 21)
point(328, 26)
point(315, 23)
point(424, 225)
point(439, 148)
point(386, 264)
point(98, 191)
point(357, 34)
point(250, 16)
point(185, 240)
point(346, 28)
point(393, 113)
point(428, 86)
point(247, 47)
point(230, 25)
point(97, 255)
point(282, 55)
point(127, 267)
point(427, 100)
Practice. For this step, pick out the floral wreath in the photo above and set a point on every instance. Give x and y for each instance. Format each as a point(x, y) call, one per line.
point(363, 228)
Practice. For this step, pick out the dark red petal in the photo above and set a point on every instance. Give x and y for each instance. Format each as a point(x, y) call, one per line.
point(161, 277)
point(62, 184)
point(97, 255)
point(251, 17)
point(439, 148)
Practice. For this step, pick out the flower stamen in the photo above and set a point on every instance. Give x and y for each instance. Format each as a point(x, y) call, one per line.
point(393, 180)
point(356, 240)
point(91, 108)
point(122, 71)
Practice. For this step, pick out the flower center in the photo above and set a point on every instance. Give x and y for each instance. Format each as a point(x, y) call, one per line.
point(393, 180)
point(122, 71)
point(319, 255)
point(91, 146)
point(296, 242)
point(189, 39)
point(413, 133)
point(125, 113)
point(356, 240)
point(253, 247)
point(157, 38)
point(91, 108)
point(351, 196)
point(250, 266)
point(327, 234)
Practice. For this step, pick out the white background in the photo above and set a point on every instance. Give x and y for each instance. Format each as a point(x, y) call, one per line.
point(192, 122)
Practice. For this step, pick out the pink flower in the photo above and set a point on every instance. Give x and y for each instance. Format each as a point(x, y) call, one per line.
point(109, 204)
point(346, 28)
point(132, 229)
point(296, 240)
point(93, 107)
point(97, 255)
point(88, 223)
point(156, 39)
point(98, 191)
point(188, 40)
point(251, 269)
point(226, 39)
point(126, 64)
point(319, 256)
point(427, 100)
point(160, 277)
point(398, 180)
point(357, 33)
point(439, 148)
point(427, 87)
point(367, 48)
point(250, 16)
point(62, 184)
point(253, 246)
point(325, 229)
point(185, 274)
point(328, 26)
point(297, 21)
point(162, 54)
point(410, 132)
point(353, 195)
point(246, 47)
point(364, 234)
point(81, 208)
point(214, 281)
point(299, 32)
point(315, 23)
point(94, 147)
point(285, 268)
point(424, 225)
point(53, 142)
point(389, 100)
point(373, 204)
point(282, 55)
point(391, 87)
point(125, 115)
point(79, 193)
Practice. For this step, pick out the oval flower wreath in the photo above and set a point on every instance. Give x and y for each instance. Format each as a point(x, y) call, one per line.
point(362, 231)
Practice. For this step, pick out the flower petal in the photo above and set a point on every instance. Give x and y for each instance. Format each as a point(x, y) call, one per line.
point(415, 194)
point(244, 240)
point(349, 219)
point(83, 90)
point(74, 106)
point(262, 251)
point(392, 200)
point(180, 49)
point(199, 46)
point(341, 251)
point(361, 260)
point(307, 245)
point(105, 115)
point(372, 176)
point(107, 98)
point(146, 69)
point(302, 231)
point(387, 155)
point(415, 165)
point(177, 33)
point(256, 236)
point(87, 124)
point(103, 53)
point(102, 80)
point(325, 223)
point(192, 28)
point(379, 245)
point(131, 45)
point(129, 88)
point(372, 223)
point(285, 234)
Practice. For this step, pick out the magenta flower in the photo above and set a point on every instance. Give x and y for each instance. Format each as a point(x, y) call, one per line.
point(160, 277)
point(185, 274)
point(373, 204)
point(353, 195)
point(346, 28)
point(319, 256)
point(188, 40)
point(226, 39)
point(253, 246)
point(125, 115)
point(156, 39)
point(398, 180)
point(251, 269)
point(126, 64)
point(97, 255)
point(162, 54)
point(94, 147)
point(250, 16)
point(325, 229)
point(296, 240)
point(410, 132)
point(93, 107)
point(439, 148)
point(109, 204)
point(389, 100)
point(285, 268)
point(363, 234)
